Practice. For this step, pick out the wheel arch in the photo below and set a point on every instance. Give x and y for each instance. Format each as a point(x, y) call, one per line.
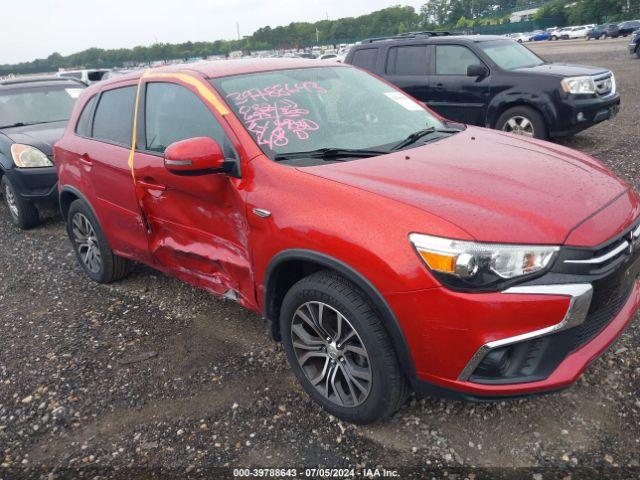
point(544, 107)
point(290, 266)
point(67, 196)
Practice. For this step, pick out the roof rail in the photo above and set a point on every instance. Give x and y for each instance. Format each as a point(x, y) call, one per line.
point(428, 33)
point(19, 80)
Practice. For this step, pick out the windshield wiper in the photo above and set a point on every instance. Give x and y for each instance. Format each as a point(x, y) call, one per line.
point(330, 154)
point(415, 136)
point(26, 124)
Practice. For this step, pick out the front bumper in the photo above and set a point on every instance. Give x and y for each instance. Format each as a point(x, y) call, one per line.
point(533, 338)
point(37, 185)
point(577, 114)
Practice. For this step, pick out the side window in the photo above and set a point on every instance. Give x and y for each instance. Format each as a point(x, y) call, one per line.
point(83, 127)
point(454, 60)
point(408, 60)
point(174, 113)
point(113, 121)
point(365, 58)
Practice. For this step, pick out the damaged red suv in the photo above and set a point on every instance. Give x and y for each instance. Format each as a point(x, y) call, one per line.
point(386, 247)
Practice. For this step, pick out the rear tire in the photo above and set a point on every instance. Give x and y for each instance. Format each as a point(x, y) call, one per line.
point(309, 319)
point(523, 120)
point(23, 213)
point(91, 246)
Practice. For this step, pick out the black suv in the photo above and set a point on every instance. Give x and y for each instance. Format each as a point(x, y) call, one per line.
point(634, 43)
point(628, 27)
point(33, 114)
point(600, 32)
point(492, 81)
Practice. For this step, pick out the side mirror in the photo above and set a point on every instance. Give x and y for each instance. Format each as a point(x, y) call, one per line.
point(195, 156)
point(477, 70)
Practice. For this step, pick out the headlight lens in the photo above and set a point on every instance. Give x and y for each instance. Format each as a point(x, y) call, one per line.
point(26, 156)
point(463, 264)
point(578, 85)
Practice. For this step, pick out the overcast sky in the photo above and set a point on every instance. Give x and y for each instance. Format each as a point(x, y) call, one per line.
point(36, 28)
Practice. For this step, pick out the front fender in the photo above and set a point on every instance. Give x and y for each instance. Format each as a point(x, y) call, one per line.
point(512, 97)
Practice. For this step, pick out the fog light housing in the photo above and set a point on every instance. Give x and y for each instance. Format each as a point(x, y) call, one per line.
point(581, 117)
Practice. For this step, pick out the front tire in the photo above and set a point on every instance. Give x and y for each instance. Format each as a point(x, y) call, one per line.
point(339, 350)
point(23, 213)
point(91, 246)
point(523, 120)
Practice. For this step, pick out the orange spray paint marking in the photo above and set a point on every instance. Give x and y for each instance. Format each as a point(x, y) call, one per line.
point(199, 84)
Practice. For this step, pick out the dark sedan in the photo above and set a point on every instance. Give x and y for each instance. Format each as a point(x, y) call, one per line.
point(33, 115)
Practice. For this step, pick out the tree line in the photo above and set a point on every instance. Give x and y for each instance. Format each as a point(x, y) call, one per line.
point(434, 14)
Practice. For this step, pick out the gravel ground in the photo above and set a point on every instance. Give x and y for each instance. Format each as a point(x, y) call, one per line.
point(152, 378)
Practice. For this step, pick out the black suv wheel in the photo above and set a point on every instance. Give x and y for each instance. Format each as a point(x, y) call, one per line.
point(23, 214)
point(91, 247)
point(339, 349)
point(524, 121)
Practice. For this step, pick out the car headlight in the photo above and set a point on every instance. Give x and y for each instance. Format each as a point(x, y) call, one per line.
point(26, 156)
point(578, 85)
point(472, 265)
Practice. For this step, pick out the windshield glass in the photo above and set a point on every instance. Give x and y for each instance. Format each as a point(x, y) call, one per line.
point(37, 105)
point(510, 55)
point(315, 108)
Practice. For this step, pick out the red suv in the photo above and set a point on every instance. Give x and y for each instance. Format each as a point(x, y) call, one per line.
point(386, 247)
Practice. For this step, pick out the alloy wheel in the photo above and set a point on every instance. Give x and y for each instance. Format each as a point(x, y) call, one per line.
point(11, 201)
point(86, 242)
point(331, 354)
point(519, 125)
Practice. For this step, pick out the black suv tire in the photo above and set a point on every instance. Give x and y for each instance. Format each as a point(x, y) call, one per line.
point(359, 346)
point(534, 119)
point(91, 246)
point(24, 214)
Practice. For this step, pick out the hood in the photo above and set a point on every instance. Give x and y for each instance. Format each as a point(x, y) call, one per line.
point(563, 70)
point(42, 135)
point(495, 186)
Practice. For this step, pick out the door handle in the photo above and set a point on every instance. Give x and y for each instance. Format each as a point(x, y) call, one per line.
point(85, 159)
point(152, 186)
point(439, 86)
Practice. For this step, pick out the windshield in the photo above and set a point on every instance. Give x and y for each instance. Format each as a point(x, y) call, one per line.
point(322, 108)
point(510, 55)
point(37, 105)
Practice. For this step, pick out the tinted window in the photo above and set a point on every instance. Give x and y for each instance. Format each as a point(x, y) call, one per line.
point(365, 58)
point(175, 113)
point(83, 127)
point(409, 60)
point(454, 60)
point(114, 116)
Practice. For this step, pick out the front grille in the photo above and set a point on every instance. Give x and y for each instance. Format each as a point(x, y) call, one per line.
point(604, 84)
point(599, 316)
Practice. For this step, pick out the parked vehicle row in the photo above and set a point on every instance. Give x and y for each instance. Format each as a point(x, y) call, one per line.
point(387, 248)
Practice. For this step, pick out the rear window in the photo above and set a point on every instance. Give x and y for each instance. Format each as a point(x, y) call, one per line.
point(113, 121)
point(83, 127)
point(407, 60)
point(365, 58)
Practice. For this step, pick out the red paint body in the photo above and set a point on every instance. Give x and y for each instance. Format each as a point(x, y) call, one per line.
point(477, 185)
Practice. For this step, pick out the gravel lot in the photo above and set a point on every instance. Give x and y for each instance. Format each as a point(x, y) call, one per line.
point(153, 378)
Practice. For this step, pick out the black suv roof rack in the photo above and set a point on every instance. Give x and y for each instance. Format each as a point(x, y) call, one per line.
point(428, 33)
point(20, 80)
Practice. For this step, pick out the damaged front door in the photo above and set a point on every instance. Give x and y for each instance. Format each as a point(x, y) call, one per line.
point(196, 223)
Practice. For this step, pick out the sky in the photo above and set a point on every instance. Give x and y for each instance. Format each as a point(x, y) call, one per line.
point(36, 28)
